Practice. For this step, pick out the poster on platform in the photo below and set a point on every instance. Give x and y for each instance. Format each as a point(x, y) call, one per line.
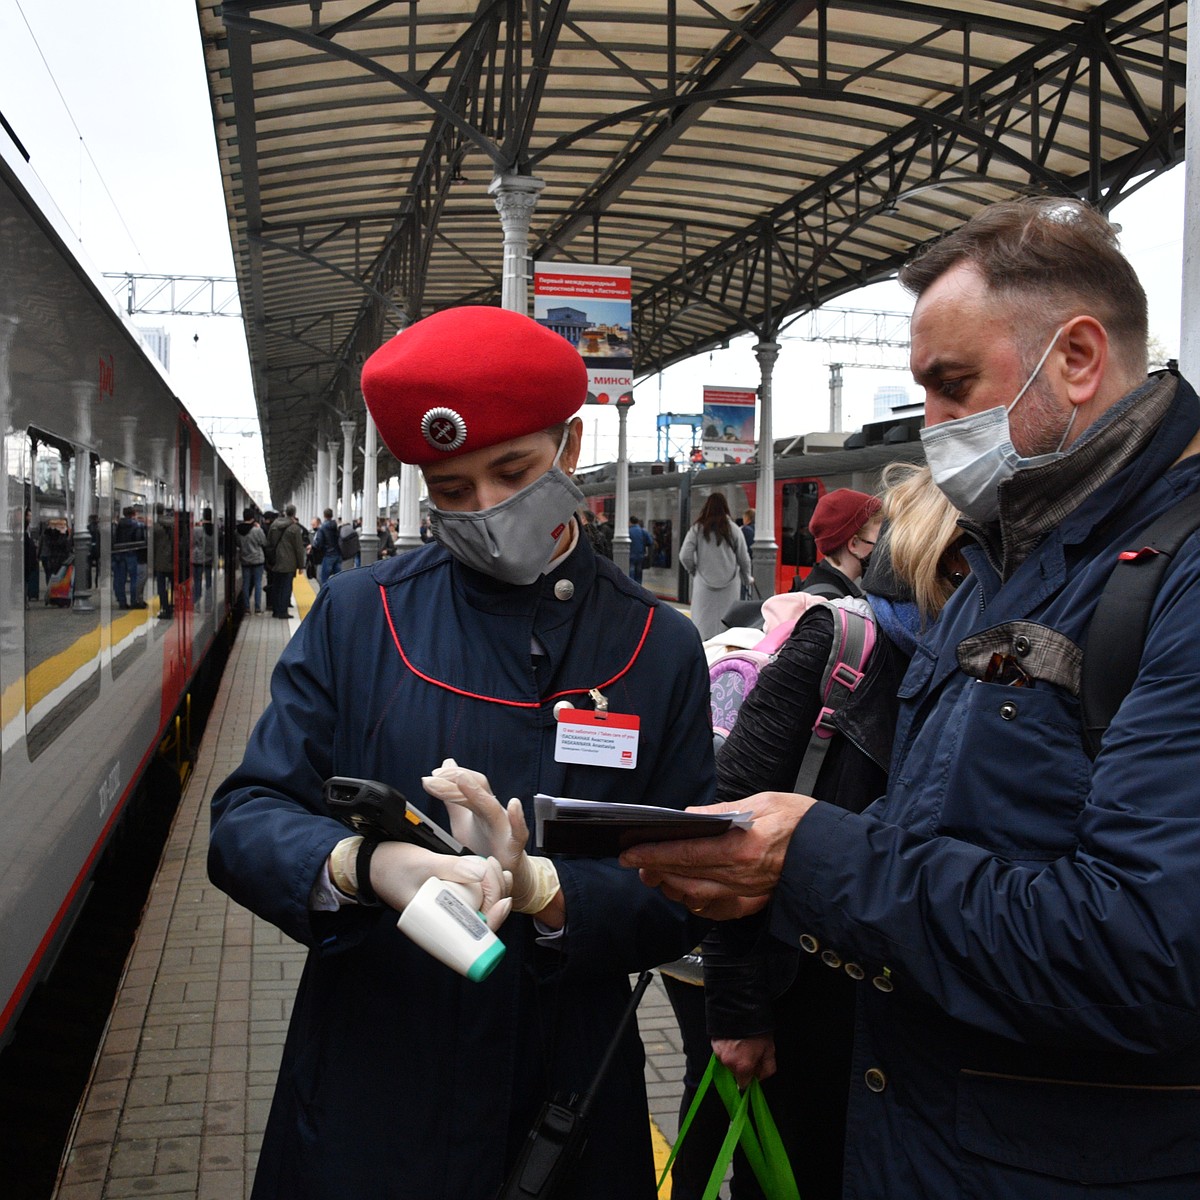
point(592, 307)
point(727, 429)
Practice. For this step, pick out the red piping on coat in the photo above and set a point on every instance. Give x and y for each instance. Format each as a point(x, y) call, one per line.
point(496, 699)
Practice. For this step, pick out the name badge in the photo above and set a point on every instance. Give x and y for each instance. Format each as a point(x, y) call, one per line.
point(597, 739)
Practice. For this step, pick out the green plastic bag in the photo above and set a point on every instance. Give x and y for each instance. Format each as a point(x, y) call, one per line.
point(751, 1124)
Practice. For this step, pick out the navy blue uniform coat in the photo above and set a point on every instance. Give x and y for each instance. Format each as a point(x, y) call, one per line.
point(400, 1079)
point(1028, 920)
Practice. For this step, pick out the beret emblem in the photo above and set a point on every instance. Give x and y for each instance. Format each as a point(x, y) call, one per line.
point(443, 429)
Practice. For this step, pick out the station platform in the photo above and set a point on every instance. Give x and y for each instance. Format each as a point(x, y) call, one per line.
point(182, 1082)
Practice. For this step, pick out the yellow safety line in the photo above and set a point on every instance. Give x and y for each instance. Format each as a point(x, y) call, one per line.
point(304, 592)
point(662, 1151)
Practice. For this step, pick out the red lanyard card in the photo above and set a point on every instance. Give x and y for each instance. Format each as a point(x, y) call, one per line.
point(597, 739)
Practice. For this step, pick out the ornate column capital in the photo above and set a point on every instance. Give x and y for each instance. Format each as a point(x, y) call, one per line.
point(766, 353)
point(515, 197)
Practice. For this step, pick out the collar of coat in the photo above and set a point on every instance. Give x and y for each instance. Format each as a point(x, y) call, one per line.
point(1147, 429)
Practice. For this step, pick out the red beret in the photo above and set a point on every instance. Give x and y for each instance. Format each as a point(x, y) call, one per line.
point(466, 378)
point(839, 515)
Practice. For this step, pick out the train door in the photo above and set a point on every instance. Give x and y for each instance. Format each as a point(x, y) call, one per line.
point(131, 506)
point(168, 545)
point(187, 475)
point(227, 540)
point(202, 536)
point(797, 550)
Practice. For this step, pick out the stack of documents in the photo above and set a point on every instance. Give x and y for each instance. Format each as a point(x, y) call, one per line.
point(599, 830)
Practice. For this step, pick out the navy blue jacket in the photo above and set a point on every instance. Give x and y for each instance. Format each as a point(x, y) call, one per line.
point(325, 540)
point(641, 544)
point(1028, 921)
point(400, 1079)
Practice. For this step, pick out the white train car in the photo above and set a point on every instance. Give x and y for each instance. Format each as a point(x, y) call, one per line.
point(90, 684)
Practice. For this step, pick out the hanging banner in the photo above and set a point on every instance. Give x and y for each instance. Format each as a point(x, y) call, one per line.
point(592, 307)
point(727, 431)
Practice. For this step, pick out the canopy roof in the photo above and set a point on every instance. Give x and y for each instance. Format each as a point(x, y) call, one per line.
point(748, 161)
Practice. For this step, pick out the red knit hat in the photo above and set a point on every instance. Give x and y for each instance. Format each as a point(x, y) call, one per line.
point(466, 378)
point(839, 515)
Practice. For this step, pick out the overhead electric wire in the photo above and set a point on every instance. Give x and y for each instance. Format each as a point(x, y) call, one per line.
point(82, 141)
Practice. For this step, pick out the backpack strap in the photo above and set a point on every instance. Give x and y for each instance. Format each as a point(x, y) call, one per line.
point(853, 641)
point(1122, 617)
point(849, 653)
point(827, 591)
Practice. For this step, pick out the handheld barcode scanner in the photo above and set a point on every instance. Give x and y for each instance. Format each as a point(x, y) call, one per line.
point(378, 811)
point(441, 918)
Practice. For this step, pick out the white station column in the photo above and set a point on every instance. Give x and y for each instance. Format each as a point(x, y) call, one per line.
point(408, 499)
point(347, 474)
point(322, 480)
point(764, 551)
point(621, 510)
point(369, 538)
point(331, 497)
point(516, 197)
point(408, 508)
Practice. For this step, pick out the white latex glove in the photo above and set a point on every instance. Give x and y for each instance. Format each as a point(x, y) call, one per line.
point(477, 819)
point(399, 868)
point(481, 823)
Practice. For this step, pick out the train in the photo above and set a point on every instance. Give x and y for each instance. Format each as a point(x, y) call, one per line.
point(667, 498)
point(91, 686)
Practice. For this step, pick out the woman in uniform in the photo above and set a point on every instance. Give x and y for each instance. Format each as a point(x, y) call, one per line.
point(400, 1078)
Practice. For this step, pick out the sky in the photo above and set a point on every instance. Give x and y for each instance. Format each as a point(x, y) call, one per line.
point(112, 106)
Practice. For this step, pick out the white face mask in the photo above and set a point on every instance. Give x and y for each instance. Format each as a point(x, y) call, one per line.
point(514, 540)
point(972, 456)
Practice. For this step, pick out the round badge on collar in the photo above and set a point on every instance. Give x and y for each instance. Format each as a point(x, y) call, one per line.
point(564, 589)
point(443, 429)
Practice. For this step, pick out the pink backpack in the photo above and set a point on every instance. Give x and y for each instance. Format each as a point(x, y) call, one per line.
point(732, 677)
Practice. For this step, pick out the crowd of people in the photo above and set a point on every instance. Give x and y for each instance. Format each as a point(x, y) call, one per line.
point(957, 942)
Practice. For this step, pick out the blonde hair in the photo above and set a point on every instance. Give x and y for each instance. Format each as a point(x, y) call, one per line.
point(921, 526)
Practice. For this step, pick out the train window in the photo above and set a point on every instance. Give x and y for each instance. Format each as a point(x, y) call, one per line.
point(62, 605)
point(663, 534)
point(129, 566)
point(796, 545)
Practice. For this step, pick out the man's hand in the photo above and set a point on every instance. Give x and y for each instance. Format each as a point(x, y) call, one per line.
point(728, 876)
point(748, 1058)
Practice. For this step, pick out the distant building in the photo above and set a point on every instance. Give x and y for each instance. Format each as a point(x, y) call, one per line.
point(567, 322)
point(158, 342)
point(890, 398)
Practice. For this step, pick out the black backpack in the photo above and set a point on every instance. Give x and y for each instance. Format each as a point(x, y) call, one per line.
point(347, 541)
point(1123, 614)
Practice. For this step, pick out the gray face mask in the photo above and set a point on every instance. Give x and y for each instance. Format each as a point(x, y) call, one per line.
point(971, 457)
point(512, 541)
